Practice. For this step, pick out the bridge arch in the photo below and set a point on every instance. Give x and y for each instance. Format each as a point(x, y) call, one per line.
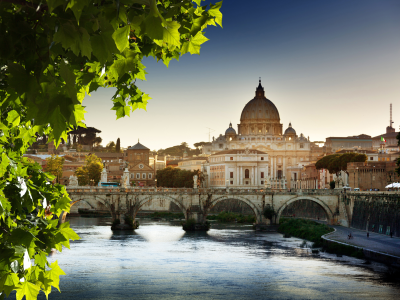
point(160, 197)
point(64, 214)
point(328, 211)
point(254, 208)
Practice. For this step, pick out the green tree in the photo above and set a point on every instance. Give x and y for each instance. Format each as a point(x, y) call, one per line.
point(111, 146)
point(54, 166)
point(269, 212)
point(62, 50)
point(177, 178)
point(90, 173)
point(200, 144)
point(335, 163)
point(118, 146)
point(97, 141)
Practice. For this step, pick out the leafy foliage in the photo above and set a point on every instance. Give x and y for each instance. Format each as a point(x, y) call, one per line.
point(90, 173)
point(54, 166)
point(118, 146)
point(304, 229)
point(53, 53)
point(269, 212)
point(177, 178)
point(335, 163)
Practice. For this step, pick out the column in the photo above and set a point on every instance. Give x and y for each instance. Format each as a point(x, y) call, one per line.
point(284, 166)
point(275, 169)
point(256, 176)
point(272, 167)
point(237, 176)
point(252, 176)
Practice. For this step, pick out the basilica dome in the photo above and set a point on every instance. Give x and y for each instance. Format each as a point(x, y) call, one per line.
point(260, 116)
point(260, 108)
point(290, 130)
point(230, 130)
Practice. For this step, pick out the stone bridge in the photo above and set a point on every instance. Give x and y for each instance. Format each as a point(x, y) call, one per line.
point(196, 203)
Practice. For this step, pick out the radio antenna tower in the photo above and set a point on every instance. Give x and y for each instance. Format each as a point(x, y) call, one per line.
point(209, 132)
point(391, 122)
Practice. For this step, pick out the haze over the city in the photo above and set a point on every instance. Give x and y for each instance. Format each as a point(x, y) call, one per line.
point(332, 68)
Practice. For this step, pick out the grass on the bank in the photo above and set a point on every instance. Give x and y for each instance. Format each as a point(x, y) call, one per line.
point(304, 229)
point(232, 217)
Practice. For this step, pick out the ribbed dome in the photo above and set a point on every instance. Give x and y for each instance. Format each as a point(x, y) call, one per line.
point(260, 108)
point(230, 130)
point(290, 130)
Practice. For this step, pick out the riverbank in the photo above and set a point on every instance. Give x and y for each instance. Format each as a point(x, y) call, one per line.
point(304, 229)
point(376, 247)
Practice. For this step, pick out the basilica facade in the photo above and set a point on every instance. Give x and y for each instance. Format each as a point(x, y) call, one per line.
point(285, 153)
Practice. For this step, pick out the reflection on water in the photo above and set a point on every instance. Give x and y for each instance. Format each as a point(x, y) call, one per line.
point(161, 261)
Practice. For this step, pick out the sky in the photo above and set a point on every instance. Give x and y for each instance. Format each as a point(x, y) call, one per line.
point(331, 67)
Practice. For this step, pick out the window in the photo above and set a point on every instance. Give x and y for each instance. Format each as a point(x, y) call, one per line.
point(144, 176)
point(137, 175)
point(150, 175)
point(301, 146)
point(231, 174)
point(279, 174)
point(262, 174)
point(231, 182)
point(371, 158)
point(246, 173)
point(262, 182)
point(247, 182)
point(231, 158)
point(262, 158)
point(221, 146)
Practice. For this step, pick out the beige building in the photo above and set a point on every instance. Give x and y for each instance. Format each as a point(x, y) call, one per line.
point(260, 129)
point(238, 168)
point(362, 142)
point(192, 163)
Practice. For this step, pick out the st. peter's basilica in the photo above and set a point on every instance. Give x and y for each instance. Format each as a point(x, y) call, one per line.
point(259, 129)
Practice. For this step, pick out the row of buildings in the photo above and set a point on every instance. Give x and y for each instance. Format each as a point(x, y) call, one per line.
point(261, 152)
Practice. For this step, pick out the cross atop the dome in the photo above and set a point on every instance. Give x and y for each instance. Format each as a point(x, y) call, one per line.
point(260, 89)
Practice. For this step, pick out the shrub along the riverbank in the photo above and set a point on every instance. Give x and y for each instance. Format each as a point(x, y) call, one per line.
point(232, 217)
point(304, 229)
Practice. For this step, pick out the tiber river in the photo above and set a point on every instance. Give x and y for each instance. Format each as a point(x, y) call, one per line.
point(161, 261)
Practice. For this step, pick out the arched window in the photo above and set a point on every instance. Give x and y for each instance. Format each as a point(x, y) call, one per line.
point(246, 173)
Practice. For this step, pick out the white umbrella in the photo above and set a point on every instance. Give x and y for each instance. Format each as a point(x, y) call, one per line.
point(393, 185)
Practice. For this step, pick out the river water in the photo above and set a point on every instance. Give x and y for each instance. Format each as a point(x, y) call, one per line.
point(161, 261)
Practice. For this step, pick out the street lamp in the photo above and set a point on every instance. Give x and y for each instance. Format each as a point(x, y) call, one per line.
point(156, 181)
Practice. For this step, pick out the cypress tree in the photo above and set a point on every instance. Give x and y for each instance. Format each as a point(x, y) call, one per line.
point(118, 146)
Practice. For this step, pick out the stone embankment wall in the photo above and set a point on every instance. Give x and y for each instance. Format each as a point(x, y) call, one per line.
point(304, 209)
point(377, 213)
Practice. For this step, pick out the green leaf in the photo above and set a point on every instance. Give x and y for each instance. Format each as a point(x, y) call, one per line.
point(77, 6)
point(29, 290)
point(103, 46)
point(40, 259)
point(193, 45)
point(214, 11)
point(54, 274)
point(121, 37)
point(67, 232)
point(120, 107)
point(171, 34)
point(21, 237)
point(58, 124)
point(13, 118)
point(154, 28)
point(70, 79)
point(198, 2)
point(52, 4)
